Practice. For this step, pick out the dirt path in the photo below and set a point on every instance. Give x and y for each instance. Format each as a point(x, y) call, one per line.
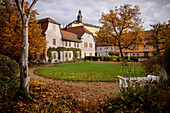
point(88, 90)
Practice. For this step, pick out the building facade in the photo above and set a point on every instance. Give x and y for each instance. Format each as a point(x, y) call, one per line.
point(68, 38)
point(140, 51)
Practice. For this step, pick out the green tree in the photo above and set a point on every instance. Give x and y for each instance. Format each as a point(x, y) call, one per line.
point(121, 27)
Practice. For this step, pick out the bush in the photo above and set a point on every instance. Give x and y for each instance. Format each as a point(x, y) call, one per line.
point(8, 67)
point(111, 53)
point(152, 65)
point(151, 98)
point(8, 87)
point(99, 58)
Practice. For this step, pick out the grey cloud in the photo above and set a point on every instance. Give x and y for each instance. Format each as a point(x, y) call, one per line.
point(65, 11)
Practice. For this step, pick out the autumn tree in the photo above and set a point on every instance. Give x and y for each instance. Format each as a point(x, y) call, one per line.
point(11, 27)
point(121, 27)
point(160, 37)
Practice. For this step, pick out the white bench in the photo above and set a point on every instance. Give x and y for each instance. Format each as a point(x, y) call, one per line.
point(131, 81)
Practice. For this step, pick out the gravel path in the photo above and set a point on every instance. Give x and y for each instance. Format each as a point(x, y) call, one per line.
point(88, 90)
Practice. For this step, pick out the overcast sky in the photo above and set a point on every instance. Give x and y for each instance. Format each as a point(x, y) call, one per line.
point(65, 11)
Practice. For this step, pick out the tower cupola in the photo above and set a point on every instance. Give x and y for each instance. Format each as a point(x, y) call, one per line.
point(79, 17)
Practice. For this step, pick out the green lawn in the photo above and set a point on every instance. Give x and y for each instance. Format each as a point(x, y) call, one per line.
point(89, 71)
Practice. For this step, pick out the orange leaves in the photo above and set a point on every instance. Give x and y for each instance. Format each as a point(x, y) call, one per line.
point(11, 34)
point(118, 23)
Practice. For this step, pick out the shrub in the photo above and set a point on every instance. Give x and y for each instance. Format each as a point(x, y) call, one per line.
point(152, 65)
point(99, 58)
point(8, 67)
point(111, 53)
point(151, 98)
point(8, 87)
point(166, 58)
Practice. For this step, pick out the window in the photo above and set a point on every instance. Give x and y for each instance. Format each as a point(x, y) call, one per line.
point(54, 41)
point(100, 48)
point(69, 55)
point(125, 54)
point(117, 47)
point(90, 54)
point(54, 55)
point(145, 46)
point(133, 54)
point(66, 55)
point(69, 44)
point(84, 54)
point(146, 39)
point(77, 44)
point(90, 45)
point(137, 47)
point(133, 47)
point(66, 43)
point(85, 44)
point(105, 48)
point(145, 54)
point(74, 44)
point(138, 55)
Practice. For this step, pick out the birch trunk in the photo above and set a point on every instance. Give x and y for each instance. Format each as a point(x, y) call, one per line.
point(24, 57)
point(24, 77)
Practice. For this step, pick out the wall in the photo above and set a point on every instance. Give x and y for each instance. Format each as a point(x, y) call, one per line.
point(103, 50)
point(89, 39)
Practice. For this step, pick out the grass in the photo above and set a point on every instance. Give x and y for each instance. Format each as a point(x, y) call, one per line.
point(89, 71)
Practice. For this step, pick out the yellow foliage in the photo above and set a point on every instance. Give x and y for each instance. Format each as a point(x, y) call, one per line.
point(121, 27)
point(11, 31)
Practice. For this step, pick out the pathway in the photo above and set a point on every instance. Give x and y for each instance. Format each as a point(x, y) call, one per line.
point(88, 90)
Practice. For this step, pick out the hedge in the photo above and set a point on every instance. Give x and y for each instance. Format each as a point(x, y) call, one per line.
point(109, 58)
point(99, 58)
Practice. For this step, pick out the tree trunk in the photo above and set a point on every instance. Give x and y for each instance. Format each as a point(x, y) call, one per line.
point(157, 50)
point(122, 55)
point(24, 78)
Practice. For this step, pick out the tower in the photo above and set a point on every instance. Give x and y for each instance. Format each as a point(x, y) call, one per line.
point(79, 17)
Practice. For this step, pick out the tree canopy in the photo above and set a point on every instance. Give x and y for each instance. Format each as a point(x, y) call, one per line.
point(121, 27)
point(160, 37)
point(11, 27)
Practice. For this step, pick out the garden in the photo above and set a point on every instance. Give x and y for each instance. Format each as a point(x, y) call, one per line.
point(53, 89)
point(90, 71)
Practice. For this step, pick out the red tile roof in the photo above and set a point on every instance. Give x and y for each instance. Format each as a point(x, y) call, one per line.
point(44, 23)
point(48, 20)
point(79, 30)
point(69, 36)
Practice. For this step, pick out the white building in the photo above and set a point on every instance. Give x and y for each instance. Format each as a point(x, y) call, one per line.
point(103, 49)
point(77, 37)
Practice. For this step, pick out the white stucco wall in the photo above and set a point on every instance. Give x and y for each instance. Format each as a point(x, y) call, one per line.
point(53, 32)
point(89, 39)
point(103, 50)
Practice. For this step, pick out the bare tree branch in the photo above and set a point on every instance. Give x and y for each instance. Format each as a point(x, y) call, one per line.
point(19, 7)
point(30, 8)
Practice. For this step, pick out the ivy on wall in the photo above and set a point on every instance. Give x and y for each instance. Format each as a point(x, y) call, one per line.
point(59, 49)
